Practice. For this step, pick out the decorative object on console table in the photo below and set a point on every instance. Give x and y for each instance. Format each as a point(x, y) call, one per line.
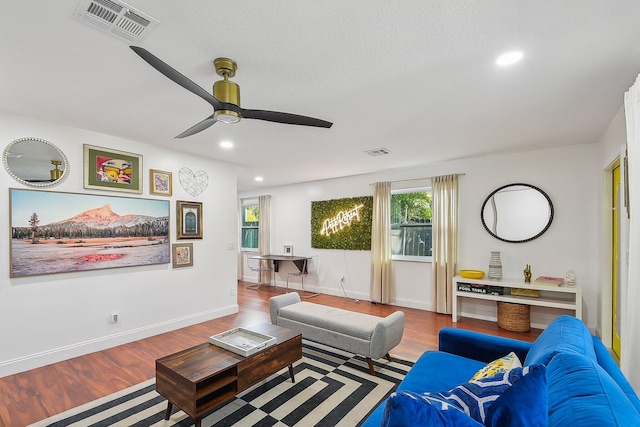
point(472, 274)
point(527, 274)
point(570, 278)
point(549, 281)
point(495, 266)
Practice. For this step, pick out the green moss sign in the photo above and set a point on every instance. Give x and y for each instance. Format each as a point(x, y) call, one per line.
point(342, 223)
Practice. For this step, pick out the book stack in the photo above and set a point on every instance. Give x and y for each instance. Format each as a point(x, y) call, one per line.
point(480, 289)
point(524, 292)
point(549, 281)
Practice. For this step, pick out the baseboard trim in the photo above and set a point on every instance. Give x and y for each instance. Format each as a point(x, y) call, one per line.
point(54, 355)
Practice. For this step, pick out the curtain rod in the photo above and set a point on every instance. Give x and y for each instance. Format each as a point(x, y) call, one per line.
point(419, 179)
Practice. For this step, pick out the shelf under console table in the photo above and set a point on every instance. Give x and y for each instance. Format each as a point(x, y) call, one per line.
point(550, 296)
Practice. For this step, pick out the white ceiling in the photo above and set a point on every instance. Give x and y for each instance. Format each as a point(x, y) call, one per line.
point(416, 77)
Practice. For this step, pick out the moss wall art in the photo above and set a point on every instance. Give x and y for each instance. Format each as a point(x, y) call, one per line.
point(342, 223)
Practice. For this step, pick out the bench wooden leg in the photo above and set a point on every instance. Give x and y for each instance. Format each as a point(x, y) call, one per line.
point(371, 370)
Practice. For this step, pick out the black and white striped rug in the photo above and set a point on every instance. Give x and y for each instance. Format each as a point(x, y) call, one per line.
point(332, 388)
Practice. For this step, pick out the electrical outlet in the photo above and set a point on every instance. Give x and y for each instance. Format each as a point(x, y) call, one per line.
point(114, 317)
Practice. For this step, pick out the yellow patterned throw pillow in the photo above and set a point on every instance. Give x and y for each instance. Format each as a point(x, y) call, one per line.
point(504, 364)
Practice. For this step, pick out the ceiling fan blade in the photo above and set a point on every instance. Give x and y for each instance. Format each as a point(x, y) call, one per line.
point(287, 118)
point(176, 76)
point(199, 127)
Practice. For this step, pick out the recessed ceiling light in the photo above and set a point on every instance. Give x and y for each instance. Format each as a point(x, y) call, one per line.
point(259, 178)
point(226, 144)
point(509, 58)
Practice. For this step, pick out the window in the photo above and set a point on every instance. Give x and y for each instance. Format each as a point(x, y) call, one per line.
point(250, 222)
point(411, 223)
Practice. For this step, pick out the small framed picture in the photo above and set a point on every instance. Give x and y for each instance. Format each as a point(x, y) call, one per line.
point(106, 169)
point(189, 216)
point(288, 250)
point(160, 182)
point(182, 255)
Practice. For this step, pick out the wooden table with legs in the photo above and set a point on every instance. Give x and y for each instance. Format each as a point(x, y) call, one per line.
point(201, 378)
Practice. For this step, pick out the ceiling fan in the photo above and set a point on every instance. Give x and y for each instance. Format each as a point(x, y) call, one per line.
point(226, 97)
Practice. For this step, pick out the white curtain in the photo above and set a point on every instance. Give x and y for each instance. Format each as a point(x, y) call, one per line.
point(381, 288)
point(445, 239)
point(264, 236)
point(630, 292)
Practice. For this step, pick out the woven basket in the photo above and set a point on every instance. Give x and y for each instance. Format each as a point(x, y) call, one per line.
point(514, 317)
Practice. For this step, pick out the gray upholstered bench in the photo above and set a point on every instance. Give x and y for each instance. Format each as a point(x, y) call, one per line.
point(369, 336)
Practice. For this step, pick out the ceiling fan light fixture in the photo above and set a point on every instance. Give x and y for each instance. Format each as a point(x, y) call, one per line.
point(226, 116)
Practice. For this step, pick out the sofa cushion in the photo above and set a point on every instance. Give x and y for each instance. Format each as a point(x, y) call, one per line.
point(503, 364)
point(443, 370)
point(523, 404)
point(581, 393)
point(564, 334)
point(409, 409)
point(433, 371)
point(349, 323)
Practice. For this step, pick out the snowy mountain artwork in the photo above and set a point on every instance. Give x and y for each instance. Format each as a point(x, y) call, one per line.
point(53, 232)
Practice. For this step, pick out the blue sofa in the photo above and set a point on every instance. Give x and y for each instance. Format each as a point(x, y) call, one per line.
point(582, 384)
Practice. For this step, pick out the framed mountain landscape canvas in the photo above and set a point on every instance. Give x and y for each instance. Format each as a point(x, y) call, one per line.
point(54, 232)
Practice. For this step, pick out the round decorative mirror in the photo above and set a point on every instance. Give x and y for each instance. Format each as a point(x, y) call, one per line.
point(517, 213)
point(35, 162)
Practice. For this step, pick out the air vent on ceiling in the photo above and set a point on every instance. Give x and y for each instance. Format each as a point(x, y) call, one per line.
point(116, 18)
point(378, 152)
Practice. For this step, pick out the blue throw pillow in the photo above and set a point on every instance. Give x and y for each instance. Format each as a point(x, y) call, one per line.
point(525, 404)
point(409, 409)
point(476, 396)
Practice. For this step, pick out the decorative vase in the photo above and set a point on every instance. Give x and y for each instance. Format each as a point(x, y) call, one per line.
point(495, 266)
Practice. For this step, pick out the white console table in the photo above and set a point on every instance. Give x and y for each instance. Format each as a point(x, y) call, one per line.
point(560, 297)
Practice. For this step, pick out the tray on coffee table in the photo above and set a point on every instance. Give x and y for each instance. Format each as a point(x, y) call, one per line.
point(242, 341)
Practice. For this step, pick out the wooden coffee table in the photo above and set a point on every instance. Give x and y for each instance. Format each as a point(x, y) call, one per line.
point(200, 378)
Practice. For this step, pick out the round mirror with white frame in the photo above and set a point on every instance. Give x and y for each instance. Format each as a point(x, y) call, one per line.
point(517, 213)
point(35, 162)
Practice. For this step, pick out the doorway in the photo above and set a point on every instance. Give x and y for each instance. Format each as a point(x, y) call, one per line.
point(615, 264)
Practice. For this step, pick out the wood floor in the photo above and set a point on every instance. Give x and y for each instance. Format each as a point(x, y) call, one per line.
point(37, 394)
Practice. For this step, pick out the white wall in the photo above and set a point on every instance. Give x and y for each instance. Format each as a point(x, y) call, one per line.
point(44, 319)
point(569, 175)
